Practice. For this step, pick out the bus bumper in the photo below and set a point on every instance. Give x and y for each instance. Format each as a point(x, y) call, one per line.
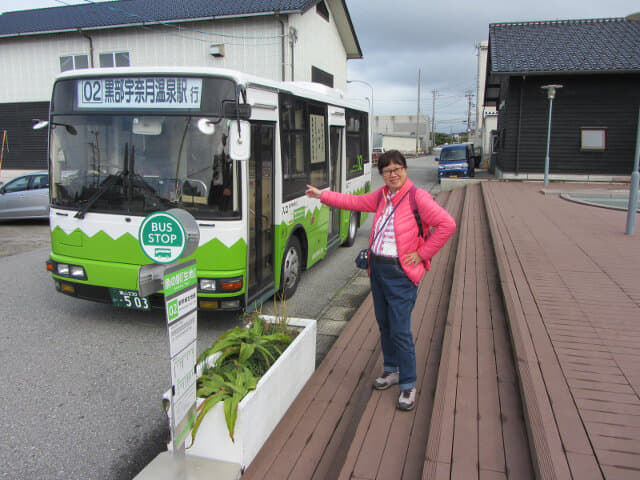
point(76, 287)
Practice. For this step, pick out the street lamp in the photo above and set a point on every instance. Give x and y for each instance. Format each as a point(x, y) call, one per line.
point(370, 86)
point(551, 94)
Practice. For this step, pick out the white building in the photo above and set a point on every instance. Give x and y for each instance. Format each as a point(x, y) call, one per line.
point(399, 132)
point(486, 117)
point(310, 40)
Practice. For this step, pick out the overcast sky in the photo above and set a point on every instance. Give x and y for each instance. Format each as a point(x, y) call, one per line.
point(400, 37)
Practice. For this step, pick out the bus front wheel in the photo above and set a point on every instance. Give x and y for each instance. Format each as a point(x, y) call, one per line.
point(291, 268)
point(353, 229)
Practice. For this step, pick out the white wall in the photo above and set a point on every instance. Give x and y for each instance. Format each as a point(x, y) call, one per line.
point(404, 144)
point(318, 45)
point(252, 45)
point(31, 63)
point(400, 124)
point(490, 122)
point(486, 119)
point(245, 50)
point(482, 49)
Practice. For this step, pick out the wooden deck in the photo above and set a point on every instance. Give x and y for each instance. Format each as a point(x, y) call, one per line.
point(532, 295)
point(477, 429)
point(570, 276)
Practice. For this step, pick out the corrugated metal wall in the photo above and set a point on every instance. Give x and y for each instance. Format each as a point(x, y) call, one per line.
point(251, 44)
point(26, 149)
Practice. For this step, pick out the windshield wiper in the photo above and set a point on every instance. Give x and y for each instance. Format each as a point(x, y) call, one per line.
point(106, 185)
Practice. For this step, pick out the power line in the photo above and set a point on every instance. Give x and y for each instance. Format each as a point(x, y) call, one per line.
point(181, 28)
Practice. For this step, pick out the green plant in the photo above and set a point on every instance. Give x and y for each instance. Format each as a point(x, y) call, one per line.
point(230, 387)
point(245, 354)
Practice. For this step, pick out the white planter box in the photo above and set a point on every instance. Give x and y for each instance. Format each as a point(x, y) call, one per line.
point(261, 410)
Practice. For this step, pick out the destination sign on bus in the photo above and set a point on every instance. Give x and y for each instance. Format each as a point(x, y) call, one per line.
point(139, 92)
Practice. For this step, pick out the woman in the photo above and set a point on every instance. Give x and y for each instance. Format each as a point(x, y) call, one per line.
point(398, 258)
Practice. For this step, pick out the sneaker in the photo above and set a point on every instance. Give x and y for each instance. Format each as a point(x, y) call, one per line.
point(407, 399)
point(386, 380)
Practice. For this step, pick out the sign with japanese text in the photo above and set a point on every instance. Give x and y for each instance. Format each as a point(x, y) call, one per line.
point(180, 283)
point(139, 92)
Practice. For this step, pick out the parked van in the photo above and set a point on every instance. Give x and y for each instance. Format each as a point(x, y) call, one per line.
point(456, 161)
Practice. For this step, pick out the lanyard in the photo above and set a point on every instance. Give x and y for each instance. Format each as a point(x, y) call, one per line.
point(386, 220)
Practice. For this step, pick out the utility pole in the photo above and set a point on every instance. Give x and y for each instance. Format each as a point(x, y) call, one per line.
point(632, 207)
point(433, 119)
point(418, 119)
point(469, 95)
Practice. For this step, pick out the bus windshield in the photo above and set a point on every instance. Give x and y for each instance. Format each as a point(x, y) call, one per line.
point(138, 164)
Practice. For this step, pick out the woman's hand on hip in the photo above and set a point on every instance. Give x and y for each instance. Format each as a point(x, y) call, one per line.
point(313, 192)
point(412, 259)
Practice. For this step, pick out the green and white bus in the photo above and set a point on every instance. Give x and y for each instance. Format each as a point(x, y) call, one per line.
point(126, 142)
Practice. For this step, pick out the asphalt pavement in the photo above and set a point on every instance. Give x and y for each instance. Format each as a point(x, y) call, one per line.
point(82, 397)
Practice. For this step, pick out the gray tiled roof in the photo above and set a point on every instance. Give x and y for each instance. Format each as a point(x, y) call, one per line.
point(597, 45)
point(127, 12)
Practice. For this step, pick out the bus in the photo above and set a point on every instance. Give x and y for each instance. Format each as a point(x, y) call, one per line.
point(126, 142)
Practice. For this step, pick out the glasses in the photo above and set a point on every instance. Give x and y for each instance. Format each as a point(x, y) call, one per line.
point(392, 171)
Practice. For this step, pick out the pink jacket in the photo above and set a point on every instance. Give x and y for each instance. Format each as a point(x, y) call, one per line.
point(404, 223)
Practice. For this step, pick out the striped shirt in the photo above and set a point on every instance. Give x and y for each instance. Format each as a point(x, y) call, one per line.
point(384, 243)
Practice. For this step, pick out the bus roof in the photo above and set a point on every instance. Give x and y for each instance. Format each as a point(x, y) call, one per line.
point(310, 90)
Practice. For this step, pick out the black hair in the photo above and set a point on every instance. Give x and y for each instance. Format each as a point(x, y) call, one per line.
point(391, 156)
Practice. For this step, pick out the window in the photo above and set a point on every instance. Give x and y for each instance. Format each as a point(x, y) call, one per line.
point(122, 59)
point(453, 154)
point(106, 60)
point(357, 143)
point(293, 139)
point(114, 59)
point(304, 153)
point(40, 181)
point(74, 62)
point(319, 164)
point(320, 76)
point(593, 139)
point(322, 10)
point(18, 185)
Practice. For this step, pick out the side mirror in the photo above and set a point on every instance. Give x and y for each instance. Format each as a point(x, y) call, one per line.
point(438, 159)
point(240, 140)
point(39, 124)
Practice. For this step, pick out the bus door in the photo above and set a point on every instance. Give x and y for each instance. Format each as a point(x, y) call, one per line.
point(260, 270)
point(336, 161)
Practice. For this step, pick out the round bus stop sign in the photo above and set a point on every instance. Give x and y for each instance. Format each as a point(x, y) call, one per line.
point(162, 237)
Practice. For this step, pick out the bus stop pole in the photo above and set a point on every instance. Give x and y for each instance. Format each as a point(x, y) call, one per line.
point(632, 210)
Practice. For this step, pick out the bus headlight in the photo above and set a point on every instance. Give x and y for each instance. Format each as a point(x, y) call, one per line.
point(77, 271)
point(217, 285)
point(208, 285)
point(67, 270)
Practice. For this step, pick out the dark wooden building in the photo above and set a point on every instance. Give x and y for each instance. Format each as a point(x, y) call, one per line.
point(595, 114)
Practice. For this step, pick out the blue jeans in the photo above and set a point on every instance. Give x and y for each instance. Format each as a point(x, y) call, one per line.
point(394, 297)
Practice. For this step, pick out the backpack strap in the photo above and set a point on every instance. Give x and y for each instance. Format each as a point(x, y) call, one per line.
point(414, 207)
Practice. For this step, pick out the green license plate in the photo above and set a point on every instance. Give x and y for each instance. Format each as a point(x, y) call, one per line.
point(129, 299)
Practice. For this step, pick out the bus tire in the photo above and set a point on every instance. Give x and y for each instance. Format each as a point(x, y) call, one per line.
point(353, 229)
point(291, 268)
